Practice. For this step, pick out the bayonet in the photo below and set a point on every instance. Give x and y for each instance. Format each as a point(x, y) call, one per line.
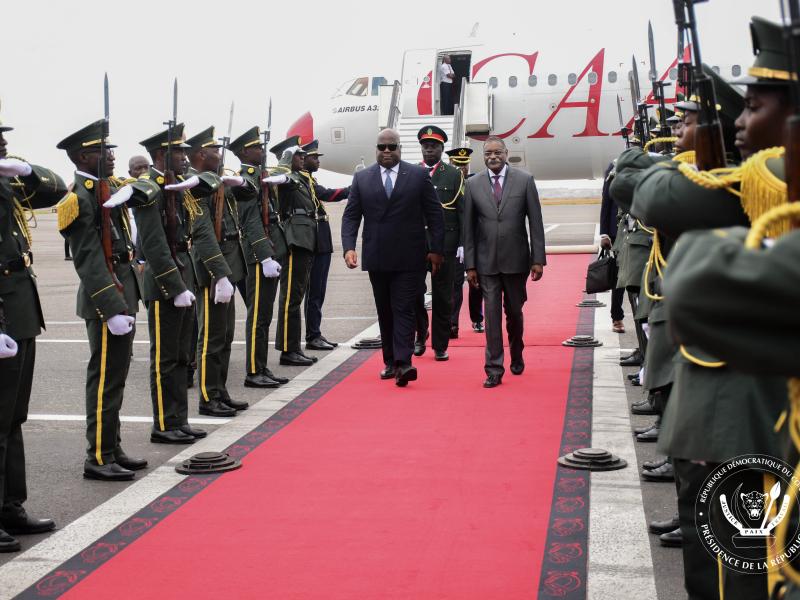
point(219, 197)
point(171, 203)
point(622, 129)
point(264, 188)
point(103, 193)
point(652, 48)
point(658, 86)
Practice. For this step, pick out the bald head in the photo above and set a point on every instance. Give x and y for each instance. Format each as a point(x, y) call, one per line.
point(388, 148)
point(137, 165)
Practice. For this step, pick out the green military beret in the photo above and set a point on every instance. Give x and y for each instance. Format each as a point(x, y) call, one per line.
point(278, 148)
point(772, 64)
point(251, 137)
point(90, 136)
point(459, 156)
point(161, 139)
point(312, 148)
point(204, 139)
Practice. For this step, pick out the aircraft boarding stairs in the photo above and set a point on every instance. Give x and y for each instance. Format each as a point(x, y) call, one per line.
point(410, 126)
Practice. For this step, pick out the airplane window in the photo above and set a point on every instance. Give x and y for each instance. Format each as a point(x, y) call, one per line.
point(359, 87)
point(512, 81)
point(552, 79)
point(715, 69)
point(612, 77)
point(736, 70)
point(592, 78)
point(673, 74)
point(533, 80)
point(377, 82)
point(492, 82)
point(572, 78)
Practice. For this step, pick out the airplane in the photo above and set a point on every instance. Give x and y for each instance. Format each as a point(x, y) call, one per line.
point(556, 110)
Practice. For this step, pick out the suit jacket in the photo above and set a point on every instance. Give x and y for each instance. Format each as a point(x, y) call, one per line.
point(495, 239)
point(394, 228)
point(608, 208)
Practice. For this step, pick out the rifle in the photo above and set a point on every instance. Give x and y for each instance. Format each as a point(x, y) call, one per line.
point(219, 198)
point(658, 86)
point(638, 129)
point(684, 67)
point(709, 146)
point(102, 192)
point(791, 36)
point(171, 204)
point(622, 129)
point(641, 107)
point(264, 187)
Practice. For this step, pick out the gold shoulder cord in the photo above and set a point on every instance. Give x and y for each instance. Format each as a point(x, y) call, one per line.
point(192, 206)
point(311, 188)
point(459, 193)
point(659, 140)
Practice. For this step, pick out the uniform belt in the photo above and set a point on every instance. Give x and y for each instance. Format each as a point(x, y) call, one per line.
point(231, 237)
point(16, 264)
point(121, 258)
point(302, 211)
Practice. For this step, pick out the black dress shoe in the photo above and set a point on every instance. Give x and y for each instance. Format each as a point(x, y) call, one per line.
point(195, 433)
point(663, 473)
point(672, 539)
point(477, 327)
point(313, 359)
point(23, 524)
point(654, 464)
point(454, 332)
point(419, 347)
point(403, 375)
point(659, 527)
point(638, 430)
point(318, 344)
point(441, 355)
point(388, 373)
point(295, 359)
point(171, 436)
point(259, 380)
point(271, 375)
point(8, 543)
point(215, 408)
point(632, 376)
point(634, 360)
point(327, 341)
point(234, 404)
point(493, 381)
point(111, 472)
point(651, 435)
point(126, 462)
point(517, 367)
point(646, 408)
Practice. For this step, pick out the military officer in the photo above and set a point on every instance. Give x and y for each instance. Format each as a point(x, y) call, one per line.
point(108, 295)
point(449, 184)
point(318, 279)
point(22, 187)
point(460, 158)
point(298, 213)
point(265, 253)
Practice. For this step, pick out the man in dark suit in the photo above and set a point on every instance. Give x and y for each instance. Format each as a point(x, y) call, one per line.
point(498, 254)
point(609, 221)
point(396, 200)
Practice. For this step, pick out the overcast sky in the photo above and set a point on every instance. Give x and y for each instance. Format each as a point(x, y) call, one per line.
point(55, 54)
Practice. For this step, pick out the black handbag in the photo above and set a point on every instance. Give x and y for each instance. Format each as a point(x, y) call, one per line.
point(601, 275)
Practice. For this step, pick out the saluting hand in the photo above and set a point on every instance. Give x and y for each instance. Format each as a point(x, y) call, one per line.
point(121, 196)
point(13, 167)
point(232, 180)
point(186, 184)
point(351, 259)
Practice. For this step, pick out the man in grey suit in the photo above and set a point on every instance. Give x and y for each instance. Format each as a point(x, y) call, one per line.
point(499, 254)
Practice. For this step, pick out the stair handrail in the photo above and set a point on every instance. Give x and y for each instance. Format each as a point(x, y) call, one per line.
point(458, 116)
point(394, 106)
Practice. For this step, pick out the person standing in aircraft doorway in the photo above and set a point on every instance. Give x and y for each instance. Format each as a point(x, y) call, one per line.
point(446, 77)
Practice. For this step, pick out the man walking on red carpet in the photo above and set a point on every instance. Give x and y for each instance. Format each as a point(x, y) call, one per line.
point(396, 200)
point(499, 254)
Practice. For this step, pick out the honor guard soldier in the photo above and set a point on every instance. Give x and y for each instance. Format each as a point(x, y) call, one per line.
point(460, 158)
point(265, 252)
point(318, 279)
point(298, 213)
point(108, 295)
point(449, 184)
point(162, 218)
point(23, 187)
point(218, 262)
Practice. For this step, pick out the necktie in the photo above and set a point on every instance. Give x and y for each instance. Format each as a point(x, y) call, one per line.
point(497, 190)
point(388, 184)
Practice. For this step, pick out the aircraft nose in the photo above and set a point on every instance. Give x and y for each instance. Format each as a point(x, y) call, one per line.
point(304, 127)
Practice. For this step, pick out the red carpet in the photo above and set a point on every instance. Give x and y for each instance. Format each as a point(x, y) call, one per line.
point(440, 490)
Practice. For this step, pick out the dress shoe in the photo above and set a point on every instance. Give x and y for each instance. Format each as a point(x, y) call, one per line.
point(215, 408)
point(195, 433)
point(170, 436)
point(654, 464)
point(259, 380)
point(659, 527)
point(493, 381)
point(672, 539)
point(388, 372)
point(313, 359)
point(477, 327)
point(111, 472)
point(634, 360)
point(318, 344)
point(271, 375)
point(618, 327)
point(419, 347)
point(517, 367)
point(8, 543)
point(651, 435)
point(636, 382)
point(646, 408)
point(21, 523)
point(126, 462)
point(405, 374)
point(441, 355)
point(631, 376)
point(295, 359)
point(454, 332)
point(327, 341)
point(234, 404)
point(638, 430)
point(663, 473)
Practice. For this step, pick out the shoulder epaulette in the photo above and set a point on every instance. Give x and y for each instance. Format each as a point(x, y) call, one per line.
point(68, 210)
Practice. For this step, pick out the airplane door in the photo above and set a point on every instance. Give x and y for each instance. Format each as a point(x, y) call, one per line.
point(419, 92)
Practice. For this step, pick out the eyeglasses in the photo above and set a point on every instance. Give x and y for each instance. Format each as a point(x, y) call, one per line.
point(389, 147)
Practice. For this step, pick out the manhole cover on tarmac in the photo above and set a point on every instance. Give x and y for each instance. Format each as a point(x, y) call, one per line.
point(208, 462)
point(581, 341)
point(590, 304)
point(367, 344)
point(592, 459)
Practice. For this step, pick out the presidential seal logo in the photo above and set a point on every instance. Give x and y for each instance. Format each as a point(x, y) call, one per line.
point(746, 514)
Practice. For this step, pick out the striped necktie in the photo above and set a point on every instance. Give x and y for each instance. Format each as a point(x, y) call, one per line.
point(497, 190)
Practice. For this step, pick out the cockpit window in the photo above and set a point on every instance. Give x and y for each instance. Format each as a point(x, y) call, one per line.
point(377, 82)
point(359, 87)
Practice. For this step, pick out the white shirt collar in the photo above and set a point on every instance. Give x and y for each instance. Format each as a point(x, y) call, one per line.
point(394, 169)
point(502, 174)
point(83, 174)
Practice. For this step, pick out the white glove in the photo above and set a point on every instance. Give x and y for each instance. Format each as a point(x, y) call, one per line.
point(232, 180)
point(460, 254)
point(275, 179)
point(8, 347)
point(121, 324)
point(271, 268)
point(223, 291)
point(186, 184)
point(184, 299)
point(121, 196)
point(12, 167)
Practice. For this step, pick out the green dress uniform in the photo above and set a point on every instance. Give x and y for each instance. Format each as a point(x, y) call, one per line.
point(22, 321)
